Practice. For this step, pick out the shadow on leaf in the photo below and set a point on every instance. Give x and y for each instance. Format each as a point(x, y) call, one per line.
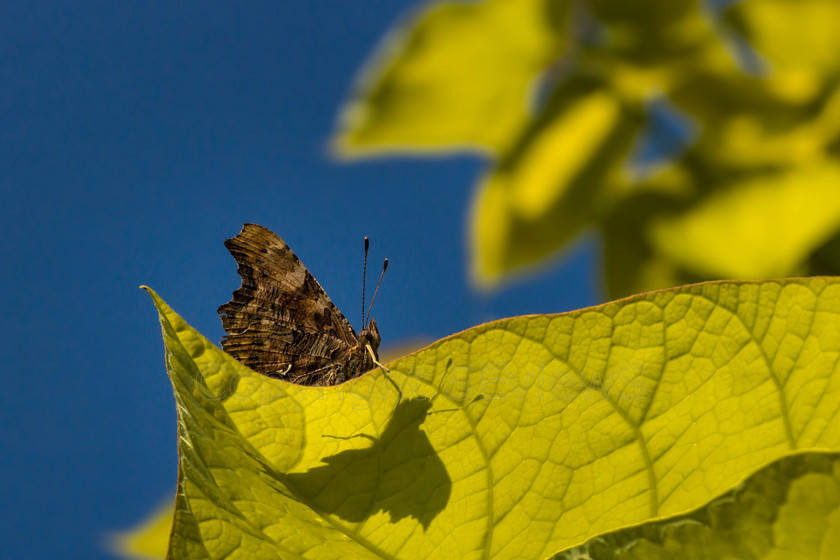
point(400, 473)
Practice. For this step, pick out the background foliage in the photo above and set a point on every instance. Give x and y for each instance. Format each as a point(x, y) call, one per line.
point(699, 139)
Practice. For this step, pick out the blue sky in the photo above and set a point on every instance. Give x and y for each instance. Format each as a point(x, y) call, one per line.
point(134, 139)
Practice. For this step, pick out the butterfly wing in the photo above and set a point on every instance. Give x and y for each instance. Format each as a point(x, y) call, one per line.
point(281, 316)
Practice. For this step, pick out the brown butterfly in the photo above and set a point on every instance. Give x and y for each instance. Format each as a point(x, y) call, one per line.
point(281, 323)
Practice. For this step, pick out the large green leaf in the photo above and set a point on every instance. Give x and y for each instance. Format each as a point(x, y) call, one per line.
point(515, 439)
point(789, 508)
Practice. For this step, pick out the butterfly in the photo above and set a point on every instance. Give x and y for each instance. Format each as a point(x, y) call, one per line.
point(281, 323)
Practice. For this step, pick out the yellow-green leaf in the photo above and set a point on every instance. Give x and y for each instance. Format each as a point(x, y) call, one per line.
point(631, 262)
point(797, 37)
point(790, 509)
point(753, 123)
point(150, 539)
point(760, 227)
point(514, 439)
point(459, 76)
point(546, 189)
point(649, 32)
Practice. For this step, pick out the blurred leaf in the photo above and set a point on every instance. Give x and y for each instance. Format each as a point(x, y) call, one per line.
point(644, 13)
point(790, 509)
point(760, 129)
point(547, 188)
point(762, 226)
point(515, 439)
point(149, 539)
point(460, 75)
point(798, 37)
point(825, 260)
point(759, 80)
point(631, 263)
point(647, 33)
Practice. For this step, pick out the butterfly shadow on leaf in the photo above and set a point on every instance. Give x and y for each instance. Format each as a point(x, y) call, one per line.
point(400, 473)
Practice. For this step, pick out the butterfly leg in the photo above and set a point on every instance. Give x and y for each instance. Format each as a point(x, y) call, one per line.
point(373, 357)
point(284, 372)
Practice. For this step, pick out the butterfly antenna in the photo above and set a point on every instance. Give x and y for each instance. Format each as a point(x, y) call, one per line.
point(364, 279)
point(384, 268)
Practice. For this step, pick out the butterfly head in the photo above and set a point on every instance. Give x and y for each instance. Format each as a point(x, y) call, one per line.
point(370, 337)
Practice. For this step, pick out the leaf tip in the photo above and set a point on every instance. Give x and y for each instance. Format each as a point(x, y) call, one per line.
point(158, 302)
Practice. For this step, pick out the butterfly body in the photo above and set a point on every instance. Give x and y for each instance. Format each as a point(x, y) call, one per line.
point(281, 323)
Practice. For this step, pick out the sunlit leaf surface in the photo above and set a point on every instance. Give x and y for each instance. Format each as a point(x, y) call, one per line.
point(514, 439)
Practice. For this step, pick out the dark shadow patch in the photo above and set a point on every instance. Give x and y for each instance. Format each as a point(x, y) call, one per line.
point(400, 473)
